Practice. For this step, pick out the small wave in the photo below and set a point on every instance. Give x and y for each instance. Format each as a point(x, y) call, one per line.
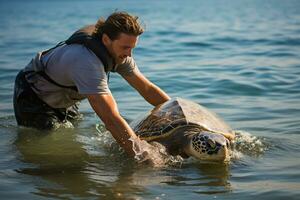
point(240, 41)
point(257, 41)
point(247, 144)
point(174, 33)
point(274, 54)
point(196, 44)
point(235, 87)
point(286, 42)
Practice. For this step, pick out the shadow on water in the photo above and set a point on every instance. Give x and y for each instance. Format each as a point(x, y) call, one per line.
point(63, 166)
point(204, 178)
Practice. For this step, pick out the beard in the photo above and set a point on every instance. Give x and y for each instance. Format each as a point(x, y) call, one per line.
point(120, 59)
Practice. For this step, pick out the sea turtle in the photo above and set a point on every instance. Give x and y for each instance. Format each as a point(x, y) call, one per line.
point(188, 129)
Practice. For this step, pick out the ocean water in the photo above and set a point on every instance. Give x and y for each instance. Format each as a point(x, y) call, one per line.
point(239, 58)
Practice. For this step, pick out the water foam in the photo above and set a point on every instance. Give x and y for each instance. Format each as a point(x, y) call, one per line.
point(156, 154)
point(63, 125)
point(153, 153)
point(247, 144)
point(148, 153)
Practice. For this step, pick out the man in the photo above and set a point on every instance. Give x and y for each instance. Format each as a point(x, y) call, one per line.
point(48, 89)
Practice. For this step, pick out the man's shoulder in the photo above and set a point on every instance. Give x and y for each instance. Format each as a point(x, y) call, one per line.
point(128, 62)
point(79, 55)
point(78, 50)
point(127, 67)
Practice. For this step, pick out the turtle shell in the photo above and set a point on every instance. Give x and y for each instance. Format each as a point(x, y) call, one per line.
point(176, 113)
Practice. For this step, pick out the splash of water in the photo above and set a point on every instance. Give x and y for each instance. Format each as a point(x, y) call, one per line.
point(153, 153)
point(247, 144)
point(104, 136)
point(66, 124)
point(156, 154)
point(62, 125)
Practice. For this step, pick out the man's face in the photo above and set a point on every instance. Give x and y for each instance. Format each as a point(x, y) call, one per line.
point(122, 47)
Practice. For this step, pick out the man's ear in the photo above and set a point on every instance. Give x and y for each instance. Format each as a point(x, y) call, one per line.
point(105, 39)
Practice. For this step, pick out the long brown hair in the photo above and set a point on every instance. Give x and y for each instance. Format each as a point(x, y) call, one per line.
point(117, 23)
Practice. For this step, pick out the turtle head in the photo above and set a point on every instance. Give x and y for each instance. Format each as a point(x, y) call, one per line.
point(208, 146)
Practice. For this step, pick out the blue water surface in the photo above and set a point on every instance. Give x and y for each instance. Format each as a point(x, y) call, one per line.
point(239, 58)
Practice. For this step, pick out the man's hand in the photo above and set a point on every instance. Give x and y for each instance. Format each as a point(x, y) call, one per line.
point(151, 93)
point(106, 108)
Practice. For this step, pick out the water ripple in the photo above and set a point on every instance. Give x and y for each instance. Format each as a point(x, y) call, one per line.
point(238, 58)
point(232, 87)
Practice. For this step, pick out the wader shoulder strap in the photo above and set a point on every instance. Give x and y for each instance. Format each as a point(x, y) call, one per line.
point(92, 43)
point(84, 37)
point(45, 76)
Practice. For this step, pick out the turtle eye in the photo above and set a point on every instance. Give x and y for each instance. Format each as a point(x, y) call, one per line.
point(211, 143)
point(228, 144)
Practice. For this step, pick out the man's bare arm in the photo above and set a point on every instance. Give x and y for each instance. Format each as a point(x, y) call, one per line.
point(151, 93)
point(106, 108)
